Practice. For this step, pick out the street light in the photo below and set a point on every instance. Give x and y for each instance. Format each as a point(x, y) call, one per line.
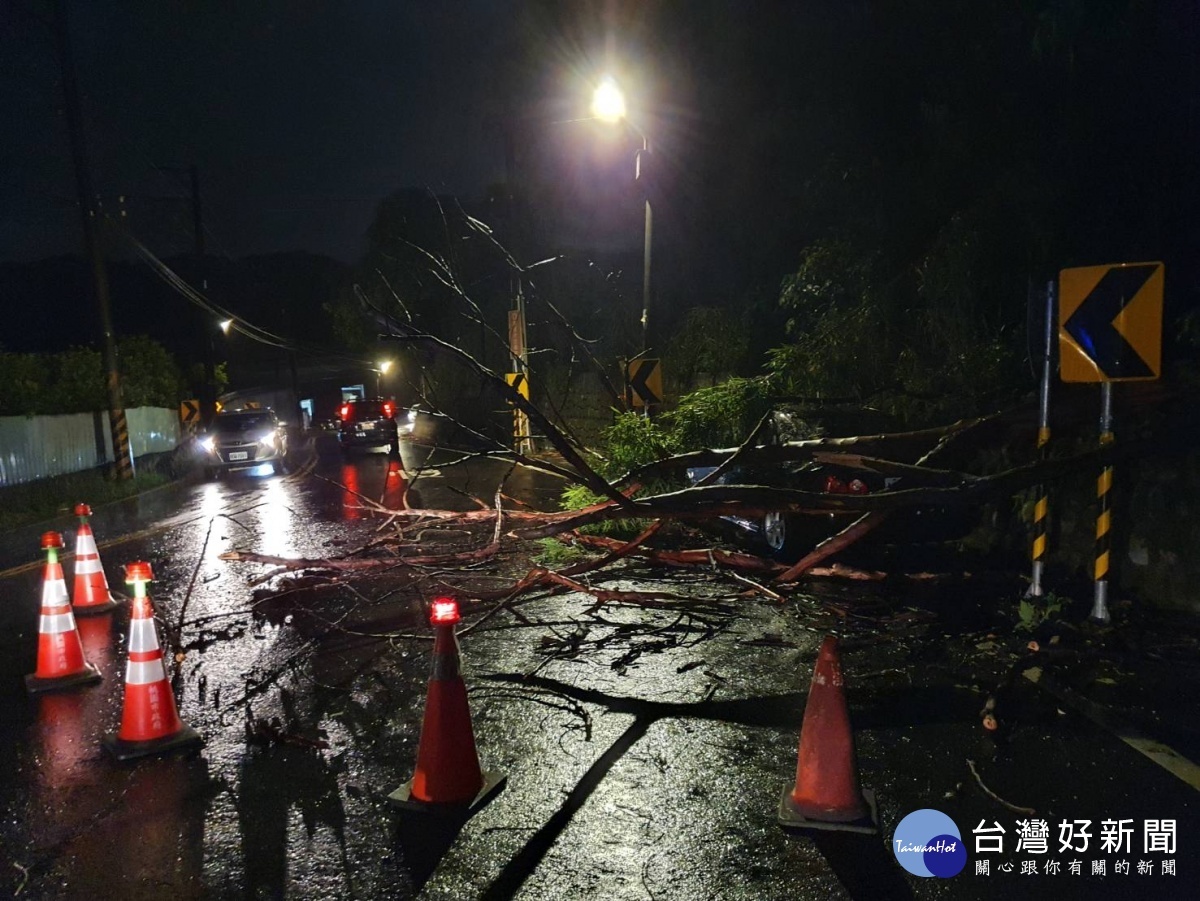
point(608, 105)
point(384, 366)
point(224, 325)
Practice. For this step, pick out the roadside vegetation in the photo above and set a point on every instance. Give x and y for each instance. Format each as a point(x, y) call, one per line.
point(73, 381)
point(45, 499)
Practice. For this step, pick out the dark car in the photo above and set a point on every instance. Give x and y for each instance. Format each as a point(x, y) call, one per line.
point(787, 535)
point(244, 438)
point(367, 423)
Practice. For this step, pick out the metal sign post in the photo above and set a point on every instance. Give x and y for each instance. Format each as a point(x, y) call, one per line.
point(519, 382)
point(1100, 612)
point(519, 378)
point(1110, 330)
point(1041, 507)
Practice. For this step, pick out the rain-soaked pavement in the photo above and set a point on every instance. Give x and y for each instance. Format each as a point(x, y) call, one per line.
point(646, 750)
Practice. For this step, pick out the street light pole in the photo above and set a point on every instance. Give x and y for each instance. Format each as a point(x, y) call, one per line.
point(380, 371)
point(643, 180)
point(608, 105)
point(208, 402)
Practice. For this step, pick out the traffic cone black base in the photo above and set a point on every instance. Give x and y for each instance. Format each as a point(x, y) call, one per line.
point(85, 676)
point(493, 783)
point(106, 607)
point(794, 821)
point(185, 738)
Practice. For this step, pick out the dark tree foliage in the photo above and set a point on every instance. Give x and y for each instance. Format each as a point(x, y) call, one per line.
point(424, 254)
point(73, 381)
point(910, 174)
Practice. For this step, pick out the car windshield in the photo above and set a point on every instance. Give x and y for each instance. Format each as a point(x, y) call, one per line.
point(236, 423)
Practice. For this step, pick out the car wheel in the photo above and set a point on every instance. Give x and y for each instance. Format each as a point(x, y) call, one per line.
point(781, 535)
point(277, 466)
point(211, 473)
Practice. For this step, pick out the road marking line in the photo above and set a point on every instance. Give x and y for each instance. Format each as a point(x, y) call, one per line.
point(1164, 755)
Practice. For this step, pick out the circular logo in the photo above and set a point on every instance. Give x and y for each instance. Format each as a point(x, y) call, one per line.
point(928, 843)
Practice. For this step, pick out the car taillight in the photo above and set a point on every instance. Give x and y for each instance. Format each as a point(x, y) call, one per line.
point(389, 410)
point(345, 411)
point(834, 485)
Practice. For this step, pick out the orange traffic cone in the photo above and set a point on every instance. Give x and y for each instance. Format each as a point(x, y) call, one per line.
point(60, 662)
point(91, 587)
point(448, 771)
point(827, 794)
point(149, 721)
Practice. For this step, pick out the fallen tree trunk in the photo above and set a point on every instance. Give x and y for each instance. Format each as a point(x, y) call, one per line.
point(709, 501)
point(361, 564)
point(902, 445)
point(839, 542)
point(746, 563)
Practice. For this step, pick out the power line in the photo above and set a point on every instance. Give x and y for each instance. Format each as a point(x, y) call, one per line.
point(237, 323)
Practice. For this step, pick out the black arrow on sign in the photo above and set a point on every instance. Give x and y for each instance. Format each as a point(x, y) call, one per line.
point(638, 383)
point(1091, 325)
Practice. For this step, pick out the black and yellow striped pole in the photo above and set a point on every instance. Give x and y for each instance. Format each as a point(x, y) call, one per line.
point(1104, 511)
point(1041, 507)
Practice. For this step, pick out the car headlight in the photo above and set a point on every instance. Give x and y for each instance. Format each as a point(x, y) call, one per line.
point(412, 416)
point(267, 440)
point(209, 443)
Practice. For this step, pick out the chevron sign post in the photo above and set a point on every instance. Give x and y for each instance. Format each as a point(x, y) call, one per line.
point(643, 383)
point(1109, 330)
point(1110, 322)
point(519, 382)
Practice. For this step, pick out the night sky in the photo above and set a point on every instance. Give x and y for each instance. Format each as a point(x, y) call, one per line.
point(766, 119)
point(301, 116)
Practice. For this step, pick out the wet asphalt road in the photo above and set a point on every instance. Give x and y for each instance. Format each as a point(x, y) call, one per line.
point(646, 750)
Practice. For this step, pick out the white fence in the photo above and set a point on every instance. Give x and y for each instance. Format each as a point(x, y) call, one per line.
point(35, 447)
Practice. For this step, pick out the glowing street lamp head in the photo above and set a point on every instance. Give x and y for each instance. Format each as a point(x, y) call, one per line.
point(225, 325)
point(608, 103)
point(384, 366)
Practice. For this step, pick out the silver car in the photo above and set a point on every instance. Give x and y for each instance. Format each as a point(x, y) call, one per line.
point(243, 439)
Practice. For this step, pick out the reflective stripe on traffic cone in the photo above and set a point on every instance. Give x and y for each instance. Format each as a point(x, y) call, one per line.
point(150, 723)
point(91, 587)
point(448, 772)
point(827, 793)
point(60, 662)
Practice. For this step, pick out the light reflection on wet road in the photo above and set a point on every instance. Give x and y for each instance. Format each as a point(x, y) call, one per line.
point(270, 818)
point(650, 766)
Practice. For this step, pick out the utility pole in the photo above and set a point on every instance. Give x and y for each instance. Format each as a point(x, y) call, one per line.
point(518, 335)
point(208, 397)
point(122, 460)
point(208, 351)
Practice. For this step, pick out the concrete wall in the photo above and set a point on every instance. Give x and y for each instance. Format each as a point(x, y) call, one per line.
point(36, 447)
